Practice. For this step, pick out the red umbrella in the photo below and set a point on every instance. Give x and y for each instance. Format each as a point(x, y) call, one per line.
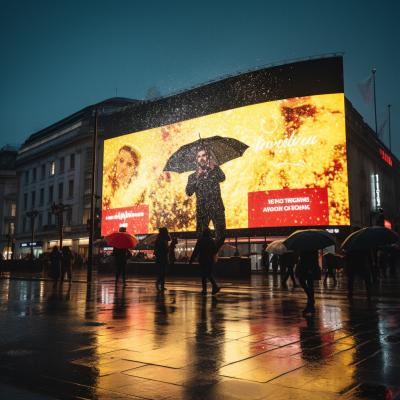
point(121, 240)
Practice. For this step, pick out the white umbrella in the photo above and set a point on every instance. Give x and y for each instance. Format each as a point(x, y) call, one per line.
point(277, 247)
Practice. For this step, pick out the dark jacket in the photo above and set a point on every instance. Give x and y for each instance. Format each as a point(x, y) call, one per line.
point(205, 250)
point(307, 266)
point(207, 189)
point(120, 256)
point(161, 250)
point(66, 257)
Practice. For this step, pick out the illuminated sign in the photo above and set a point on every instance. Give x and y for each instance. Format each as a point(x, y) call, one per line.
point(31, 244)
point(270, 164)
point(386, 157)
point(376, 191)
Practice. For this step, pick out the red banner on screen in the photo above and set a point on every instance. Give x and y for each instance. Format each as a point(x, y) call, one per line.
point(288, 207)
point(135, 219)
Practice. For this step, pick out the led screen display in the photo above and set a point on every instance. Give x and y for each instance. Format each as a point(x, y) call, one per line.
point(271, 164)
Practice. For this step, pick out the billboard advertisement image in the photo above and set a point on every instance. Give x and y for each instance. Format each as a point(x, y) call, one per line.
point(271, 164)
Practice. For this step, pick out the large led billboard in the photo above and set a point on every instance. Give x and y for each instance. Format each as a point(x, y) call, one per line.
point(271, 164)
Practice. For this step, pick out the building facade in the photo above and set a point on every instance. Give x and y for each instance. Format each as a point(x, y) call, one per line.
point(8, 200)
point(374, 175)
point(53, 168)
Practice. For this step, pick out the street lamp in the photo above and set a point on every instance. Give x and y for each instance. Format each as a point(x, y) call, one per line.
point(58, 210)
point(32, 214)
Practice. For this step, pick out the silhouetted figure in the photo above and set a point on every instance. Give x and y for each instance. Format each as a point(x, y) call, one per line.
point(330, 261)
point(161, 250)
point(171, 251)
point(265, 258)
point(120, 256)
point(66, 263)
point(288, 262)
point(307, 271)
point(55, 262)
point(206, 249)
point(358, 263)
point(275, 264)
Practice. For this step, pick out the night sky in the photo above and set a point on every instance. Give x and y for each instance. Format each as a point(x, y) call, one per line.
point(60, 56)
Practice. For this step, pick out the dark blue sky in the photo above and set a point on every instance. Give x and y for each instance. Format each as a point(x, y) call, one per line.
point(60, 56)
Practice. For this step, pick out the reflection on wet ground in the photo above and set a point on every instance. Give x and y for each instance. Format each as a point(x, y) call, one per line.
point(249, 342)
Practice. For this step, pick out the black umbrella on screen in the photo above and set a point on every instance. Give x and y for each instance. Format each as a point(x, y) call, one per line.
point(221, 149)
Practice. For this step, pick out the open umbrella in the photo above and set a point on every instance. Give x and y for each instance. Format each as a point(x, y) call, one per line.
point(100, 242)
point(221, 149)
point(147, 243)
point(309, 239)
point(121, 240)
point(277, 247)
point(372, 236)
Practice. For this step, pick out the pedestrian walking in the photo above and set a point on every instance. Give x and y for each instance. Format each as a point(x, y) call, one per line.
point(161, 251)
point(171, 251)
point(288, 262)
point(66, 263)
point(307, 271)
point(55, 262)
point(358, 263)
point(331, 263)
point(206, 250)
point(120, 256)
point(275, 263)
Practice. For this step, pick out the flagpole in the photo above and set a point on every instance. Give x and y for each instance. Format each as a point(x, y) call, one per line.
point(390, 130)
point(376, 120)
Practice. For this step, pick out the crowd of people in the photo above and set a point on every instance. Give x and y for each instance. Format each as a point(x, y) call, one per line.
point(305, 267)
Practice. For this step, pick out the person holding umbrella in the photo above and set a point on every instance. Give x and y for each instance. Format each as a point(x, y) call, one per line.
point(121, 241)
point(307, 271)
point(205, 183)
point(161, 250)
point(206, 249)
point(205, 156)
point(307, 242)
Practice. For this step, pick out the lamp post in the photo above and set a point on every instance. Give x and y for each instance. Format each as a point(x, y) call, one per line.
point(58, 210)
point(32, 214)
point(92, 198)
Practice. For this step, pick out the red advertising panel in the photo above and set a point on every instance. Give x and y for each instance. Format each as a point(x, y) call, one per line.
point(288, 207)
point(135, 219)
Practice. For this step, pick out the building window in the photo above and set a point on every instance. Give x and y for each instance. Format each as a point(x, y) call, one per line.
point(62, 165)
point(71, 188)
point(25, 201)
point(49, 218)
point(51, 193)
point(34, 175)
point(72, 161)
point(69, 216)
point(26, 177)
point(41, 197)
point(24, 224)
point(52, 168)
point(60, 191)
point(33, 199)
point(13, 209)
point(40, 221)
point(11, 228)
point(43, 172)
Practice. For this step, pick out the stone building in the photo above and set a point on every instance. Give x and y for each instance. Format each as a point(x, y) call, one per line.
point(53, 166)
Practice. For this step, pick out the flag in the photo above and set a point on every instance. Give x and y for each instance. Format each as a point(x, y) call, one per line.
point(382, 126)
point(366, 89)
point(381, 129)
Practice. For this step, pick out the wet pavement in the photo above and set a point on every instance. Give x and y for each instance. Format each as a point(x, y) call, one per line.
point(248, 342)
